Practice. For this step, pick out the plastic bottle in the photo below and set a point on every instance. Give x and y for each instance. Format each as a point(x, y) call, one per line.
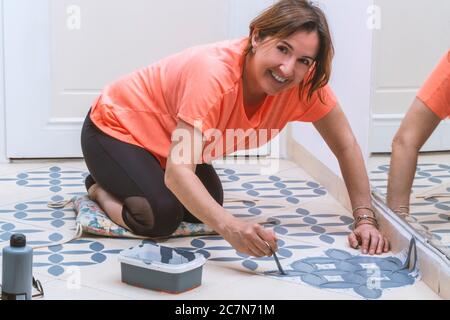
point(17, 274)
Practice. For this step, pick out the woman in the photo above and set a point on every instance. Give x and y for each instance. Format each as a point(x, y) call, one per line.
point(276, 75)
point(431, 106)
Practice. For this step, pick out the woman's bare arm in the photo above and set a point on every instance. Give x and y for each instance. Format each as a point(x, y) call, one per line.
point(338, 135)
point(180, 178)
point(417, 126)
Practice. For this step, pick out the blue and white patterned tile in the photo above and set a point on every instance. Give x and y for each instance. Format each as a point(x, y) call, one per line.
point(52, 179)
point(96, 258)
point(37, 213)
point(220, 252)
point(244, 168)
point(251, 210)
point(332, 268)
point(431, 214)
point(321, 227)
point(282, 190)
point(83, 254)
point(427, 175)
point(36, 237)
point(18, 166)
point(337, 269)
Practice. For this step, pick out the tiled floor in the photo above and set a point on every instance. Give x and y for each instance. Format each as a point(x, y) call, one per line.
point(312, 229)
point(431, 215)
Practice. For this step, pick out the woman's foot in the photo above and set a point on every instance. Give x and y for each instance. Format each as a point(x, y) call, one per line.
point(91, 187)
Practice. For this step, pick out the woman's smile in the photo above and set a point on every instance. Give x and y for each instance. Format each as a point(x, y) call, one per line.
point(278, 78)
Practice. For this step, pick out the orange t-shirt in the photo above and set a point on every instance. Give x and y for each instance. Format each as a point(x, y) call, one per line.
point(201, 85)
point(436, 91)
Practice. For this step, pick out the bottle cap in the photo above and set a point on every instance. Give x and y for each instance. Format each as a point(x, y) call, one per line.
point(18, 241)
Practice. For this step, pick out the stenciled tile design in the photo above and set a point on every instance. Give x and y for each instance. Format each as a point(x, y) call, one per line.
point(35, 236)
point(39, 214)
point(247, 209)
point(277, 189)
point(427, 175)
point(54, 178)
point(302, 224)
point(367, 276)
point(306, 234)
point(431, 214)
point(216, 249)
point(228, 175)
point(78, 253)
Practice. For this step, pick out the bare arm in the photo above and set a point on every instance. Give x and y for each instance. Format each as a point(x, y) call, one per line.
point(181, 179)
point(336, 132)
point(417, 126)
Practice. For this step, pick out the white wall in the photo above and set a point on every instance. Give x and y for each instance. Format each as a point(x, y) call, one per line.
point(2, 94)
point(351, 76)
point(69, 70)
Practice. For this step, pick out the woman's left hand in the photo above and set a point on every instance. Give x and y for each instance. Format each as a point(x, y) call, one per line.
point(370, 239)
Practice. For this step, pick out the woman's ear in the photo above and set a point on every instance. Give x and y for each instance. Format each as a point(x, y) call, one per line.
point(255, 39)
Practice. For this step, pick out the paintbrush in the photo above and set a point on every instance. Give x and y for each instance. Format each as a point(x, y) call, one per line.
point(276, 259)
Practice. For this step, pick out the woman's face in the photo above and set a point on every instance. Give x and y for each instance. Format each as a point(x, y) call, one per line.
point(279, 65)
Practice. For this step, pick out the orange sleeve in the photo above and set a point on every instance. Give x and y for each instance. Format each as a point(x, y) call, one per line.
point(435, 93)
point(201, 94)
point(316, 109)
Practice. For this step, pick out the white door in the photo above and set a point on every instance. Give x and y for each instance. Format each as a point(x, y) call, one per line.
point(413, 37)
point(60, 53)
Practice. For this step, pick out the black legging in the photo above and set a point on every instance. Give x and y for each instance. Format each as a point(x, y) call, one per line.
point(135, 177)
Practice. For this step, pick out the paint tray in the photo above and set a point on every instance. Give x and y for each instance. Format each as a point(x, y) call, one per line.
point(160, 268)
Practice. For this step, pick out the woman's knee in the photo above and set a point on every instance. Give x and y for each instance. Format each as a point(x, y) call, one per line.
point(152, 221)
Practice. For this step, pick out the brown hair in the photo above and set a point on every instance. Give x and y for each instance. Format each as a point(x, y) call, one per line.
point(287, 17)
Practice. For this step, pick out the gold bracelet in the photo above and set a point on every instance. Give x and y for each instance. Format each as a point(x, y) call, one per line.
point(364, 207)
point(403, 207)
point(372, 221)
point(400, 212)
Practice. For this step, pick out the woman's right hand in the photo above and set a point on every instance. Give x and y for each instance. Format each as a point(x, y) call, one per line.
point(251, 238)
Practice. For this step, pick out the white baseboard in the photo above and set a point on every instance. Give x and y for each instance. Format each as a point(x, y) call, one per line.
point(385, 126)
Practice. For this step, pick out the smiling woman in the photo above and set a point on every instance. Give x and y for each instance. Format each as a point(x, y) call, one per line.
point(149, 182)
point(299, 32)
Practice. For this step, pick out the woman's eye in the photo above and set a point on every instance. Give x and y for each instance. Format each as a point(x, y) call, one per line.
point(282, 49)
point(305, 62)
